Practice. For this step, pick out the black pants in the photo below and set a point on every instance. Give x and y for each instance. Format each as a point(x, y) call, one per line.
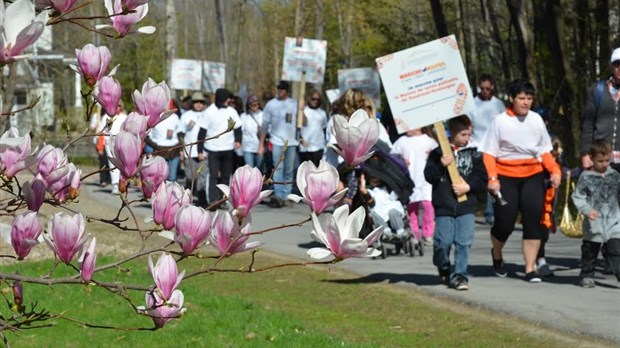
point(589, 254)
point(104, 175)
point(220, 167)
point(314, 157)
point(525, 196)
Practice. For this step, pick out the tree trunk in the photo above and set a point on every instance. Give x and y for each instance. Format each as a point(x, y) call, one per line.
point(219, 20)
point(345, 29)
point(602, 32)
point(492, 18)
point(521, 16)
point(171, 40)
point(439, 18)
point(460, 35)
point(318, 31)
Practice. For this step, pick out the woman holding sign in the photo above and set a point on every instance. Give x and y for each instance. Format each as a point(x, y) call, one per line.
point(517, 151)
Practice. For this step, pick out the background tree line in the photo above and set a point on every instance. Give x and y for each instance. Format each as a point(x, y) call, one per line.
point(561, 45)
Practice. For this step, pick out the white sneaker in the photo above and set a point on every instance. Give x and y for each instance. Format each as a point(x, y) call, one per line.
point(115, 190)
point(428, 241)
point(401, 233)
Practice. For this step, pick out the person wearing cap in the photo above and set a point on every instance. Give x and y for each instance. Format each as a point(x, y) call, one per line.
point(313, 140)
point(251, 120)
point(193, 160)
point(219, 150)
point(280, 121)
point(601, 120)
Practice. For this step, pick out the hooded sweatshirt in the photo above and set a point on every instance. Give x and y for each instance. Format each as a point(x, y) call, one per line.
point(470, 166)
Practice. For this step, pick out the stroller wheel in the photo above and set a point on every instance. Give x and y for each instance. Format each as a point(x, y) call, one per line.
point(410, 248)
point(383, 251)
point(420, 247)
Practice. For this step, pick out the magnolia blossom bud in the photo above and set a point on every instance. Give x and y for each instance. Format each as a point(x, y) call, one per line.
point(108, 94)
point(244, 191)
point(92, 63)
point(34, 194)
point(152, 101)
point(14, 152)
point(167, 200)
point(19, 28)
point(67, 233)
point(127, 151)
point(153, 171)
point(25, 231)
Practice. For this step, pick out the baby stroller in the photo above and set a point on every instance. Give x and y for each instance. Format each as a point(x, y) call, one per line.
point(393, 172)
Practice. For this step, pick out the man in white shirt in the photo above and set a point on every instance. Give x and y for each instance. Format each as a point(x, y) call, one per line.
point(219, 150)
point(487, 107)
point(193, 160)
point(312, 141)
point(280, 121)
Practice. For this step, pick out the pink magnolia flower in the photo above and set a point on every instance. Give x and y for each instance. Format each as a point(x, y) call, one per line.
point(93, 62)
point(25, 232)
point(152, 101)
point(49, 159)
point(162, 311)
point(67, 235)
point(355, 136)
point(341, 236)
point(87, 260)
point(34, 194)
point(153, 171)
point(318, 185)
point(18, 29)
point(129, 5)
point(136, 124)
point(64, 183)
point(59, 6)
point(193, 227)
point(126, 154)
point(166, 275)
point(227, 237)
point(108, 94)
point(244, 191)
point(167, 200)
point(15, 152)
point(124, 24)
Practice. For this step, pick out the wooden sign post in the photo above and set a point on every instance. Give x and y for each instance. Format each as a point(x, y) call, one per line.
point(447, 149)
point(301, 104)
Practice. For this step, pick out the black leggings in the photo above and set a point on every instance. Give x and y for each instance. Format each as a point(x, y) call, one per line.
point(525, 196)
point(220, 168)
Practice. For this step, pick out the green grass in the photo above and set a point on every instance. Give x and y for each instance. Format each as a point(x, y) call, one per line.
point(286, 307)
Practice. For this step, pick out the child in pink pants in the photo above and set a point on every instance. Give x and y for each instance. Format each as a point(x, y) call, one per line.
point(414, 147)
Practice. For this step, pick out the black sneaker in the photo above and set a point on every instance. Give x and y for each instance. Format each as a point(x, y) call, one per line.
point(498, 266)
point(276, 202)
point(444, 277)
point(532, 277)
point(461, 284)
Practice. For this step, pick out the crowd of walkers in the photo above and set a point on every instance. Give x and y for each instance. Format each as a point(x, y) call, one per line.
point(507, 163)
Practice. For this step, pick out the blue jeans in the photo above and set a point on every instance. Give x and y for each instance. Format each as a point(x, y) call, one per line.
point(173, 166)
point(284, 171)
point(489, 212)
point(451, 230)
point(252, 159)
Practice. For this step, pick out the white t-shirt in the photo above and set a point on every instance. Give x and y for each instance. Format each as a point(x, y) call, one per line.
point(215, 122)
point(251, 124)
point(517, 137)
point(190, 125)
point(313, 131)
point(280, 121)
point(483, 115)
point(165, 133)
point(384, 202)
point(415, 150)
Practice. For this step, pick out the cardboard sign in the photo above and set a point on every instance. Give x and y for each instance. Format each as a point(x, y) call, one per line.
point(186, 74)
point(304, 55)
point(214, 76)
point(426, 84)
point(332, 95)
point(365, 79)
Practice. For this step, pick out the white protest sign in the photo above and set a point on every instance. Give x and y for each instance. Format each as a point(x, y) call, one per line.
point(214, 75)
point(304, 55)
point(332, 95)
point(186, 74)
point(426, 83)
point(365, 79)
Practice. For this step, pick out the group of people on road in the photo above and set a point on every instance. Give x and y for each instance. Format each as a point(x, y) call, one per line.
point(502, 153)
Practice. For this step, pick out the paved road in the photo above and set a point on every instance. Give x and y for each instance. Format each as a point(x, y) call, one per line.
point(557, 302)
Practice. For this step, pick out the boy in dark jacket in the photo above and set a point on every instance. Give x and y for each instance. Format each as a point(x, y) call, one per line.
point(454, 221)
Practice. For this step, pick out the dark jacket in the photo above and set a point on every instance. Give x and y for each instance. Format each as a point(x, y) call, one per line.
point(470, 167)
point(601, 124)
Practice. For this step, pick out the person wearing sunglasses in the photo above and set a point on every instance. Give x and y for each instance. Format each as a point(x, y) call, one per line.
point(312, 141)
point(487, 107)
